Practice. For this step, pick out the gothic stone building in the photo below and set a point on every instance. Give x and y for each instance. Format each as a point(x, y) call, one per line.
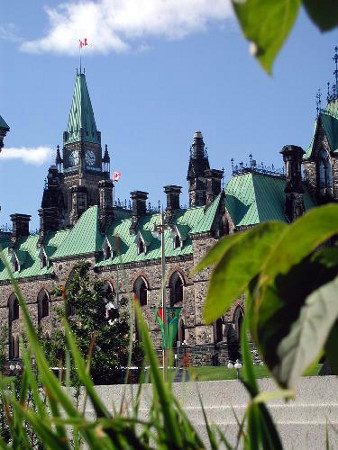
point(78, 221)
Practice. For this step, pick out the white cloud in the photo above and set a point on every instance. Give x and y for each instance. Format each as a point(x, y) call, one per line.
point(36, 156)
point(120, 25)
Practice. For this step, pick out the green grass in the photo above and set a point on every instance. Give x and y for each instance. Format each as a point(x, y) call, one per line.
point(217, 373)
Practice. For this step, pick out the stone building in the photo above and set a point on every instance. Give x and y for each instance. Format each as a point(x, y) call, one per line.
point(79, 220)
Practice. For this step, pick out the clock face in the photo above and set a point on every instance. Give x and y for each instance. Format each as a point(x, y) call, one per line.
point(74, 158)
point(90, 158)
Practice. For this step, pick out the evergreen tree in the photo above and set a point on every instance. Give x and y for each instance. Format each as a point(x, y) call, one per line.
point(95, 315)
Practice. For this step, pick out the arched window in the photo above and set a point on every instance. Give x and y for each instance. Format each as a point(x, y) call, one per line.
point(325, 170)
point(14, 310)
point(112, 312)
point(218, 331)
point(141, 291)
point(176, 289)
point(43, 305)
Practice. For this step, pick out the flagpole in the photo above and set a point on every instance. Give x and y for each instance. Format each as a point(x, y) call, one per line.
point(164, 303)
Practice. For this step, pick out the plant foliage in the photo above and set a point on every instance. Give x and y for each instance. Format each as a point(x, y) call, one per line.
point(289, 275)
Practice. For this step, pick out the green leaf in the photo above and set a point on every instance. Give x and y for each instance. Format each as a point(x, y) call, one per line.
point(240, 263)
point(299, 240)
point(308, 334)
point(266, 24)
point(323, 13)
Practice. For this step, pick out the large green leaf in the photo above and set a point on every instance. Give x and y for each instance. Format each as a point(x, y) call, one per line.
point(299, 240)
point(308, 334)
point(240, 263)
point(281, 309)
point(324, 13)
point(266, 24)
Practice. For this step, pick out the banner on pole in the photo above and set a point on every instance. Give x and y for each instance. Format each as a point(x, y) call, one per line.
point(173, 314)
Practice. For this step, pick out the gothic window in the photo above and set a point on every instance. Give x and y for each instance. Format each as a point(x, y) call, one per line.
point(112, 312)
point(176, 289)
point(325, 170)
point(108, 252)
point(13, 305)
point(141, 291)
point(218, 331)
point(43, 305)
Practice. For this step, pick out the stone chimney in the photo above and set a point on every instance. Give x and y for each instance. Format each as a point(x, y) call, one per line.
point(214, 184)
point(139, 208)
point(173, 197)
point(106, 213)
point(79, 203)
point(20, 226)
point(294, 205)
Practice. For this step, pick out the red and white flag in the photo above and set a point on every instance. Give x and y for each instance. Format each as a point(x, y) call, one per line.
point(83, 43)
point(116, 176)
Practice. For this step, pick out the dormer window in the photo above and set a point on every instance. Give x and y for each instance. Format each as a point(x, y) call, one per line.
point(108, 251)
point(177, 241)
point(140, 248)
point(43, 258)
point(16, 265)
point(15, 262)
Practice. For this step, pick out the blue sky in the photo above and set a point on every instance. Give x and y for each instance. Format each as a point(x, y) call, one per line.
point(154, 76)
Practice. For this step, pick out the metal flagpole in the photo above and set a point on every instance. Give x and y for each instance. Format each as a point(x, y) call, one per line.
point(164, 303)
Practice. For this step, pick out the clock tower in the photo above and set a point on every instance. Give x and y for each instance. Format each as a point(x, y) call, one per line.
point(82, 151)
point(81, 167)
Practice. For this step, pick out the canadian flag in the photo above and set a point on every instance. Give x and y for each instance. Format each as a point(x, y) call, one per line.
point(83, 43)
point(116, 176)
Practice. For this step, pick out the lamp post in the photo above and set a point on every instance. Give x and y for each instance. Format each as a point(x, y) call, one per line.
point(158, 233)
point(237, 365)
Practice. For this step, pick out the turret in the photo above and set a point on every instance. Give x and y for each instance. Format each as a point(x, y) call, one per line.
point(198, 164)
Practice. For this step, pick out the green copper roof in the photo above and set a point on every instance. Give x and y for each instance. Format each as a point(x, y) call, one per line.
point(81, 114)
point(28, 252)
point(250, 199)
point(253, 198)
point(84, 238)
point(3, 124)
point(329, 120)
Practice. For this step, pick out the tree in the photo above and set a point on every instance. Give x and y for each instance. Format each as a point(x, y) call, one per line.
point(100, 326)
